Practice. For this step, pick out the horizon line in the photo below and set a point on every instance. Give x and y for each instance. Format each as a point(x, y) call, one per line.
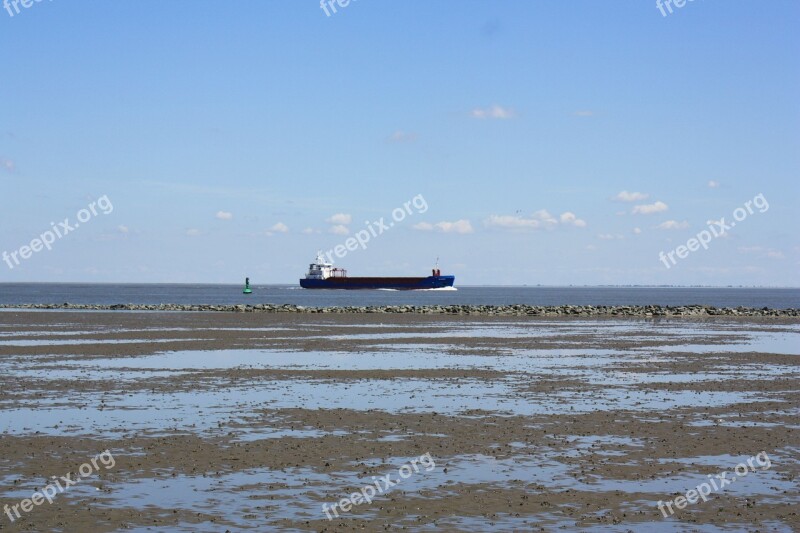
point(541, 286)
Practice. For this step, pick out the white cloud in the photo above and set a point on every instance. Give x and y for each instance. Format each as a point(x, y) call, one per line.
point(123, 229)
point(340, 218)
point(713, 184)
point(462, 226)
point(308, 231)
point(7, 165)
point(193, 232)
point(625, 196)
point(224, 215)
point(459, 226)
point(512, 222)
point(493, 112)
point(541, 219)
point(637, 231)
point(280, 227)
point(339, 230)
point(673, 224)
point(584, 113)
point(760, 250)
point(569, 218)
point(649, 209)
point(609, 237)
point(401, 136)
point(750, 249)
point(545, 217)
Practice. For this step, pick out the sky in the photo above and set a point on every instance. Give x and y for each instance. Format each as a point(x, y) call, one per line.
point(519, 142)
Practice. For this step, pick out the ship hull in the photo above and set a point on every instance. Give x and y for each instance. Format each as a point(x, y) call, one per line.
point(431, 282)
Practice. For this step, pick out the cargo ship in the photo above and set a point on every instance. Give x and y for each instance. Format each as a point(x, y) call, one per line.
point(323, 275)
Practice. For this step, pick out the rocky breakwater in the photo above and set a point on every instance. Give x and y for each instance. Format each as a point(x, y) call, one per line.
point(644, 311)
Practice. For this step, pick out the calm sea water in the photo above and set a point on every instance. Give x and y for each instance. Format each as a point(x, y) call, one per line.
point(77, 293)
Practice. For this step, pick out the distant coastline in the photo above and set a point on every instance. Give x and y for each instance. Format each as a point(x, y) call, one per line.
point(291, 284)
point(211, 294)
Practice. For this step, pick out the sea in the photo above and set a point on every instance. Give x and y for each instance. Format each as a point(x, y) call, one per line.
point(108, 294)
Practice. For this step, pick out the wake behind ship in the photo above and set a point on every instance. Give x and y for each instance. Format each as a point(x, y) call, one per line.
point(322, 275)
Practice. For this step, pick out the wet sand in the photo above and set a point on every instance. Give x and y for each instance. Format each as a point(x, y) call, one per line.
point(251, 421)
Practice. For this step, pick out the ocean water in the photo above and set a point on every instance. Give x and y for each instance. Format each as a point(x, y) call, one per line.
point(80, 293)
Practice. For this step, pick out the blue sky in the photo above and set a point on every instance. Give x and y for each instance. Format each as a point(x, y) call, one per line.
point(236, 139)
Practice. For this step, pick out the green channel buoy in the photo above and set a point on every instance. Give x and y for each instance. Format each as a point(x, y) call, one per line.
point(247, 289)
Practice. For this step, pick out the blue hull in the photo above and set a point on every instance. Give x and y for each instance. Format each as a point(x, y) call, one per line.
point(431, 282)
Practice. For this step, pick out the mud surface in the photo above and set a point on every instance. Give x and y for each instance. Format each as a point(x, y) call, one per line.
point(253, 421)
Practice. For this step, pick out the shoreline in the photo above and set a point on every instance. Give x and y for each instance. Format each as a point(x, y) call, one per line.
point(646, 311)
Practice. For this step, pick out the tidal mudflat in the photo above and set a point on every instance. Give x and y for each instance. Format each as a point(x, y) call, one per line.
point(223, 421)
